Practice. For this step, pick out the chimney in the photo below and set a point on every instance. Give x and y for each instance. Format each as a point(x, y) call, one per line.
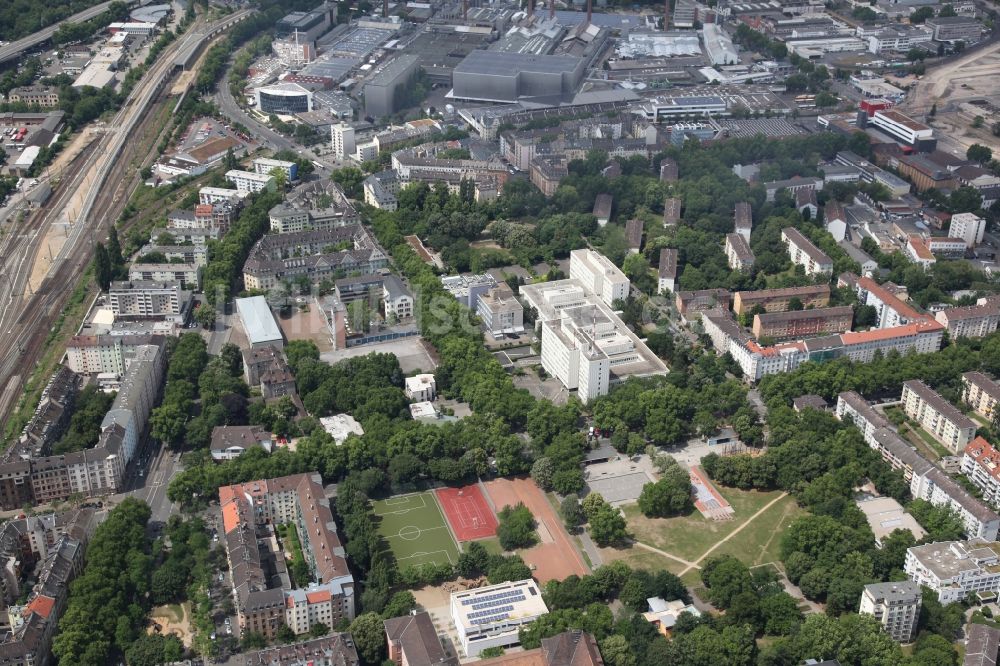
point(666, 15)
point(465, 10)
point(385, 8)
point(590, 10)
point(552, 9)
point(531, 8)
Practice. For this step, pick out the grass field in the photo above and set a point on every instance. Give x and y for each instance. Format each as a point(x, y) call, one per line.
point(759, 543)
point(415, 529)
point(688, 537)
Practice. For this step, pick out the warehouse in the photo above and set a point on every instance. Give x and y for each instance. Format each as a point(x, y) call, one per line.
point(506, 77)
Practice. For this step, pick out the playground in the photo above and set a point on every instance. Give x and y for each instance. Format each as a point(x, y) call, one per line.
point(415, 529)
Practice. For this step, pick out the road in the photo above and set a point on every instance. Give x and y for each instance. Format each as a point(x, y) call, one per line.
point(231, 108)
point(15, 49)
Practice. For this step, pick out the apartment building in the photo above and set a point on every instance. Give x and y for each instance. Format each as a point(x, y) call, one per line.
point(937, 416)
point(214, 216)
point(221, 195)
point(691, 304)
point(803, 323)
point(314, 206)
point(667, 270)
point(187, 274)
point(967, 226)
point(98, 470)
point(981, 465)
point(738, 252)
point(380, 190)
point(250, 514)
point(927, 481)
point(264, 166)
point(288, 257)
point(981, 393)
point(500, 312)
point(598, 275)
point(332, 650)
point(777, 300)
point(804, 253)
point(896, 605)
point(147, 300)
point(973, 321)
point(743, 220)
point(46, 97)
point(955, 569)
point(249, 182)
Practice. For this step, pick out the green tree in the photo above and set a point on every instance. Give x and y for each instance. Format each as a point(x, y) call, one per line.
point(102, 267)
point(979, 153)
point(516, 528)
point(669, 496)
point(571, 512)
point(206, 315)
point(607, 526)
point(369, 638)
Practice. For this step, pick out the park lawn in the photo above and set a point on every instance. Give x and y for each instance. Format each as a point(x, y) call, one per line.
point(759, 543)
point(640, 558)
point(491, 544)
point(928, 442)
point(688, 537)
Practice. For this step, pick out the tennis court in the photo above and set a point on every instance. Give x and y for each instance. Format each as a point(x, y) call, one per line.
point(415, 529)
point(467, 512)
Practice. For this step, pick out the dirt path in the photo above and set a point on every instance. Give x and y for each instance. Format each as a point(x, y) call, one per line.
point(552, 559)
point(729, 536)
point(646, 546)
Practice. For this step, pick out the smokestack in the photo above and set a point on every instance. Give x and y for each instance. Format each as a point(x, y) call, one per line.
point(666, 15)
point(531, 8)
point(590, 10)
point(552, 9)
point(385, 8)
point(465, 10)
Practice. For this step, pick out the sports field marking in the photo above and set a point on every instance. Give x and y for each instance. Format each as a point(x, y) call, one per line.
point(409, 501)
point(412, 532)
point(423, 554)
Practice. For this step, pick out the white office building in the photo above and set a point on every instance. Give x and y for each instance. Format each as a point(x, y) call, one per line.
point(342, 140)
point(264, 166)
point(491, 616)
point(955, 569)
point(598, 275)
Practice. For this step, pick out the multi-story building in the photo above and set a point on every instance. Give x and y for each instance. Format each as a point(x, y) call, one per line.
point(902, 127)
point(797, 324)
point(288, 257)
point(973, 321)
point(47, 97)
point(412, 639)
point(738, 252)
point(315, 206)
point(500, 312)
point(332, 650)
point(265, 166)
point(284, 98)
point(900, 38)
point(927, 481)
point(230, 442)
point(342, 140)
point(547, 172)
point(381, 189)
point(743, 219)
point(98, 470)
point(691, 304)
point(667, 270)
point(220, 195)
point(804, 253)
point(937, 416)
point(669, 172)
point(196, 255)
point(955, 29)
point(397, 301)
point(584, 343)
point(598, 275)
point(981, 393)
point(383, 90)
point(214, 216)
point(482, 623)
point(981, 465)
point(250, 514)
point(248, 181)
point(967, 226)
point(94, 354)
point(777, 300)
point(145, 300)
point(896, 606)
point(955, 569)
point(185, 274)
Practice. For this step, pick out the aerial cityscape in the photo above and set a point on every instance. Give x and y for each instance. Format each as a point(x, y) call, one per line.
point(500, 332)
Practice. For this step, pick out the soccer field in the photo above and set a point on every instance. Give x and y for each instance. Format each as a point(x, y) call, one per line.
point(415, 529)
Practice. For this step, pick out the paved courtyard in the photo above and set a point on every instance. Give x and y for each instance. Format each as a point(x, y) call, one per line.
point(410, 351)
point(619, 481)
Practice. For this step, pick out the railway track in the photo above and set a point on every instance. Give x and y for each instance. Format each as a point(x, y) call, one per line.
point(104, 170)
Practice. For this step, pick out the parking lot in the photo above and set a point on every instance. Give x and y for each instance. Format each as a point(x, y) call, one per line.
point(411, 352)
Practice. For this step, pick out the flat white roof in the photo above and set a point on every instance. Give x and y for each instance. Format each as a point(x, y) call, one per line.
point(257, 320)
point(340, 426)
point(494, 604)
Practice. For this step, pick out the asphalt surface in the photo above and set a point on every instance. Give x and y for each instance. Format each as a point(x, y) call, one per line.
point(14, 49)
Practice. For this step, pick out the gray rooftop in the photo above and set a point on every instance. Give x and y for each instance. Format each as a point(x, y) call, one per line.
point(257, 320)
point(498, 63)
